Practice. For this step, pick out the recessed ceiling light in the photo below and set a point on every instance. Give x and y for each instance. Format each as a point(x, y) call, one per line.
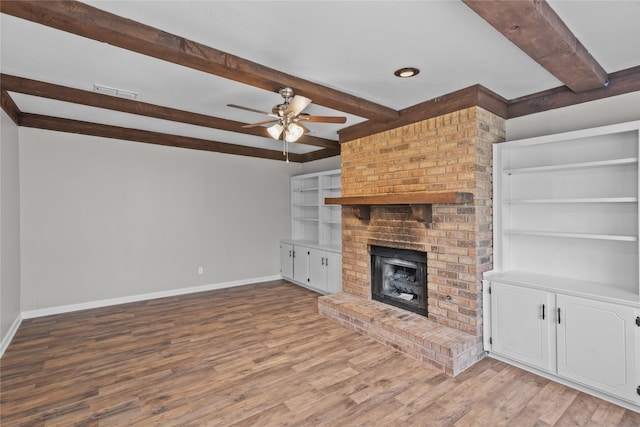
point(406, 72)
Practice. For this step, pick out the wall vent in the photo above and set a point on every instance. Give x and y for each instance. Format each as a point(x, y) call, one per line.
point(120, 93)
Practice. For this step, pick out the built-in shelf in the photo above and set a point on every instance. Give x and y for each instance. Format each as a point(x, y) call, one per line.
point(620, 238)
point(302, 218)
point(569, 166)
point(311, 219)
point(566, 205)
point(420, 203)
point(574, 200)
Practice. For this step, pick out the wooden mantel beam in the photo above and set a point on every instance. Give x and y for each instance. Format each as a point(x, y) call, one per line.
point(443, 197)
point(81, 19)
point(534, 27)
point(420, 203)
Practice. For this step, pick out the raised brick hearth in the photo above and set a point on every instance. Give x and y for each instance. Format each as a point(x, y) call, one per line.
point(412, 334)
point(451, 152)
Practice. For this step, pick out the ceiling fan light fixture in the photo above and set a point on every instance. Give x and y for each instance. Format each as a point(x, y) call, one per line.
point(275, 130)
point(286, 118)
point(293, 132)
point(406, 72)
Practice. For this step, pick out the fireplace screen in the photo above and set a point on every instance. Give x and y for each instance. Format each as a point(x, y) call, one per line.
point(399, 278)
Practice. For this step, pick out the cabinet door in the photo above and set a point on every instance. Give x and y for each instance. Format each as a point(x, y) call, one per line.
point(317, 270)
point(333, 263)
point(597, 345)
point(521, 328)
point(286, 260)
point(300, 264)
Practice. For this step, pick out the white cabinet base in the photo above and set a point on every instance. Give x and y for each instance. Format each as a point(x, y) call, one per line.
point(597, 345)
point(578, 340)
point(521, 326)
point(314, 266)
point(286, 260)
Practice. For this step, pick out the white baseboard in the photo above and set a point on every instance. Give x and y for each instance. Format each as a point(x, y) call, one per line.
point(10, 333)
point(29, 314)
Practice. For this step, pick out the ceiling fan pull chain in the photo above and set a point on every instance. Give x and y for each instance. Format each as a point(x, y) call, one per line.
point(287, 150)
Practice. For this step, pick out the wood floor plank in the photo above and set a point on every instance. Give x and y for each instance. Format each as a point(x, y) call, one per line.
point(257, 355)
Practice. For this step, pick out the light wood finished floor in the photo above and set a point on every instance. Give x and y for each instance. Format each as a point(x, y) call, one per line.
point(257, 355)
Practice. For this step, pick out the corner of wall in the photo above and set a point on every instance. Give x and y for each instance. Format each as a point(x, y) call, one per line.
point(10, 276)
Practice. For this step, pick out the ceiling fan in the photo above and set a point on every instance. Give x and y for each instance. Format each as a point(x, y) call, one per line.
point(287, 117)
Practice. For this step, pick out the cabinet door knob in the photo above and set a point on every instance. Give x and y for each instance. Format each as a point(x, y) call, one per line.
point(559, 315)
point(322, 261)
point(326, 261)
point(542, 311)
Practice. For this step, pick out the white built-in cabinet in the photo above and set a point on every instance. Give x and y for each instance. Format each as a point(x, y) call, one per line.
point(583, 340)
point(286, 260)
point(313, 256)
point(563, 298)
point(520, 325)
point(598, 345)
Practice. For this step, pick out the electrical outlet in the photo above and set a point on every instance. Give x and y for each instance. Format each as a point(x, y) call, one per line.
point(201, 270)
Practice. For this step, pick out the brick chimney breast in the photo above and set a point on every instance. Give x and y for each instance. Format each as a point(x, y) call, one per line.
point(447, 153)
point(451, 152)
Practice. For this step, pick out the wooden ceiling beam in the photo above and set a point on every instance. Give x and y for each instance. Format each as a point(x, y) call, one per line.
point(472, 96)
point(10, 107)
point(319, 154)
point(535, 28)
point(620, 82)
point(87, 21)
point(157, 138)
point(77, 96)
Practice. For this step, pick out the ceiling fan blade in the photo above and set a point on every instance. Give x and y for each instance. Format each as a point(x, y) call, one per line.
point(266, 122)
point(323, 119)
point(298, 104)
point(250, 109)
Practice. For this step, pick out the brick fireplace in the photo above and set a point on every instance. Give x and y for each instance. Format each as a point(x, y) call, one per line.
point(448, 153)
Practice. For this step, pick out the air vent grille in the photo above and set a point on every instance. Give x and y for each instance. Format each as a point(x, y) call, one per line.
point(112, 91)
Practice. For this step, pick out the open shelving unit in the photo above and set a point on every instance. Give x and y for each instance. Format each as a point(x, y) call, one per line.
point(566, 208)
point(330, 215)
point(563, 299)
point(312, 257)
point(312, 221)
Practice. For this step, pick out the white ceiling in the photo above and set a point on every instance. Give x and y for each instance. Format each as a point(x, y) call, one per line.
point(352, 46)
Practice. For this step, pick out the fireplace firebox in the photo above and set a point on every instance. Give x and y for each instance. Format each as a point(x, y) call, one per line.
point(399, 278)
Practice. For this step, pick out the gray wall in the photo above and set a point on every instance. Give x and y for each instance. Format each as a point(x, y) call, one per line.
point(106, 219)
point(9, 226)
point(608, 111)
point(321, 165)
